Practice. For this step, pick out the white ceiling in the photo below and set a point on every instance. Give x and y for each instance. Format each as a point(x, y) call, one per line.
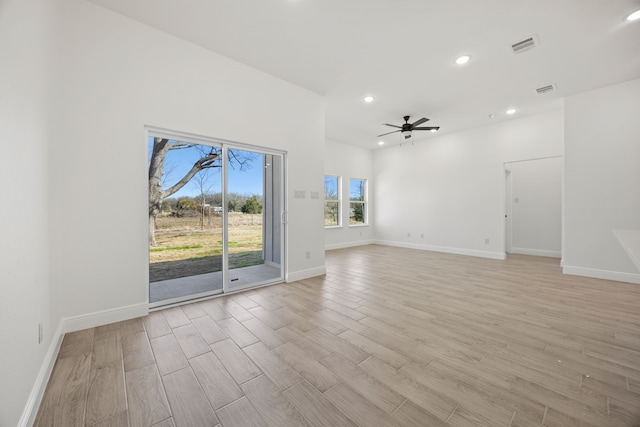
point(402, 52)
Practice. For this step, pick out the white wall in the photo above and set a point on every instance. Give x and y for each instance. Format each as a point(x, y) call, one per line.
point(349, 161)
point(536, 207)
point(120, 76)
point(602, 179)
point(451, 188)
point(27, 48)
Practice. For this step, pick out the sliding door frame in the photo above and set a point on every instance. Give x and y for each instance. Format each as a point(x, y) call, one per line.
point(225, 145)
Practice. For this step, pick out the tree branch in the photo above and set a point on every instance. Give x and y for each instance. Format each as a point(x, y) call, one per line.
point(206, 162)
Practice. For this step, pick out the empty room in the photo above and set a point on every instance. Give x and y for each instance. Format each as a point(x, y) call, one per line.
point(320, 213)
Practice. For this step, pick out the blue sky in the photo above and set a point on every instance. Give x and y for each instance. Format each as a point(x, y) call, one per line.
point(178, 163)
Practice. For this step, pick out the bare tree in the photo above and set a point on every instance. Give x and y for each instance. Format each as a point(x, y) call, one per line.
point(210, 157)
point(201, 182)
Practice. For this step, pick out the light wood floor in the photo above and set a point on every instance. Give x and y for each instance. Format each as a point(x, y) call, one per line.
point(390, 337)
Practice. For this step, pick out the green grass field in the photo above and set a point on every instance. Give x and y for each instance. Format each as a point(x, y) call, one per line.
point(186, 248)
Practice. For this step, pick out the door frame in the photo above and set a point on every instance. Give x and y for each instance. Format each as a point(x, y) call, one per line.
point(225, 145)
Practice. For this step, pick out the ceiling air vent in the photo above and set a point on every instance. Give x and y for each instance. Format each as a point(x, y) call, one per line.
point(525, 45)
point(545, 89)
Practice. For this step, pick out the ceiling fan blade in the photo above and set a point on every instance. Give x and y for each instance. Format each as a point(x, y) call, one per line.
point(427, 128)
point(419, 122)
point(393, 126)
point(388, 133)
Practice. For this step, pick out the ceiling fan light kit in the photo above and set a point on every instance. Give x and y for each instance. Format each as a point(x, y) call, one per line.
point(407, 128)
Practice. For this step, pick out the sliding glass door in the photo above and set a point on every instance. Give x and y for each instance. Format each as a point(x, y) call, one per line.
point(254, 218)
point(215, 211)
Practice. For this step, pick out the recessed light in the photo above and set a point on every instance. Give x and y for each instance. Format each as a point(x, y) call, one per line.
point(368, 98)
point(634, 16)
point(463, 59)
point(433, 130)
point(511, 111)
point(380, 142)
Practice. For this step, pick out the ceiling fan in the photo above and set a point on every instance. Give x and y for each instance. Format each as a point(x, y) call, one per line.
point(407, 127)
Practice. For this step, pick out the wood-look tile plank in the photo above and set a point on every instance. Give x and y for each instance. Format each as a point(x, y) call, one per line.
point(243, 301)
point(409, 415)
point(156, 325)
point(422, 396)
point(371, 347)
point(168, 354)
point(119, 419)
point(369, 387)
point(166, 423)
point(107, 349)
point(264, 301)
point(241, 413)
point(238, 333)
point(106, 393)
point(146, 398)
point(474, 381)
point(357, 407)
point(564, 404)
point(473, 403)
point(209, 329)
point(235, 309)
point(69, 381)
point(275, 409)
point(190, 341)
point(189, 405)
point(131, 326)
point(315, 407)
point(241, 368)
point(263, 332)
point(193, 311)
point(274, 318)
point(464, 418)
point(319, 376)
point(214, 310)
point(520, 420)
point(76, 343)
point(555, 418)
point(136, 351)
point(344, 310)
point(175, 317)
point(312, 348)
point(216, 382)
point(337, 345)
point(345, 321)
point(276, 369)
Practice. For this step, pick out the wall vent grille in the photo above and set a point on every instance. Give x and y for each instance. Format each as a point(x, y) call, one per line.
point(524, 45)
point(546, 89)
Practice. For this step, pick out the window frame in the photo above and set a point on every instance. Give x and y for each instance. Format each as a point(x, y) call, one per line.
point(338, 200)
point(364, 202)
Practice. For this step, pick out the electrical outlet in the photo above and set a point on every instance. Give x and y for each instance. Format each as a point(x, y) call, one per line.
point(422, 235)
point(486, 241)
point(308, 255)
point(408, 234)
point(40, 337)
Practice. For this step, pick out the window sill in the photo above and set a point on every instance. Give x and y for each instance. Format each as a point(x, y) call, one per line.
point(358, 225)
point(330, 227)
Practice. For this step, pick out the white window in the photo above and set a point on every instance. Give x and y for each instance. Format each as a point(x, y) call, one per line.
point(357, 201)
point(332, 190)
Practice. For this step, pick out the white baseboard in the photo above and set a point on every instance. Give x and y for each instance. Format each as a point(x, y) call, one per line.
point(536, 252)
point(305, 274)
point(91, 320)
point(456, 251)
point(35, 397)
point(347, 244)
point(602, 274)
